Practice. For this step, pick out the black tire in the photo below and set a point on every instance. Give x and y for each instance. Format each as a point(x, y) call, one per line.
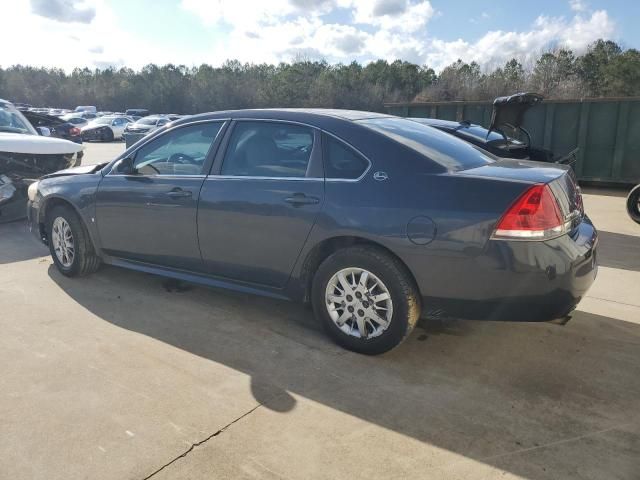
point(633, 204)
point(404, 296)
point(85, 260)
point(107, 135)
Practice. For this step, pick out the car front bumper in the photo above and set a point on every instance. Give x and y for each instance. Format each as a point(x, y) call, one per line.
point(33, 215)
point(516, 280)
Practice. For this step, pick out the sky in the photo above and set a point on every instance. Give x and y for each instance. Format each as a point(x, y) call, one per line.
point(133, 33)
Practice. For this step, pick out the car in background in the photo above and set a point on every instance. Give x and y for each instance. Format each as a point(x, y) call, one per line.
point(507, 118)
point(25, 156)
point(22, 106)
point(86, 108)
point(137, 112)
point(75, 119)
point(374, 219)
point(147, 124)
point(105, 129)
point(57, 126)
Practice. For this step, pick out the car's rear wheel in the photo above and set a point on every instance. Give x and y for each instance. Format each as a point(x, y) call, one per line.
point(69, 243)
point(366, 299)
point(633, 204)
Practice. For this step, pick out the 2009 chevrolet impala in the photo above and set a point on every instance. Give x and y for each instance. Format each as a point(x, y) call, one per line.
point(375, 219)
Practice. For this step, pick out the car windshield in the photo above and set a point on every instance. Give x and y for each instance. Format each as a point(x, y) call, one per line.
point(448, 151)
point(147, 121)
point(12, 121)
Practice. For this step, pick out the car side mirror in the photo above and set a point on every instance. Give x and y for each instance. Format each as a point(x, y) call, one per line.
point(125, 167)
point(44, 131)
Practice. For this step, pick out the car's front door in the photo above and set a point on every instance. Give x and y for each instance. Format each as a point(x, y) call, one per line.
point(148, 212)
point(260, 202)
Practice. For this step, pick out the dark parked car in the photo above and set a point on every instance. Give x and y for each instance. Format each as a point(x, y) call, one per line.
point(507, 118)
point(58, 127)
point(136, 112)
point(375, 219)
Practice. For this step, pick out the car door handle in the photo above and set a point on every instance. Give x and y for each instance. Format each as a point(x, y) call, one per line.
point(298, 199)
point(179, 193)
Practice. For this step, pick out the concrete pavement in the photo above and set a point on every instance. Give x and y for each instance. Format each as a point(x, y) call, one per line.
point(120, 375)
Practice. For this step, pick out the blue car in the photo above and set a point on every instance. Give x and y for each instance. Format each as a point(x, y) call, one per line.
point(373, 219)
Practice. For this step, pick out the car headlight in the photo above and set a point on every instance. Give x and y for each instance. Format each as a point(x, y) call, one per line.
point(7, 188)
point(32, 191)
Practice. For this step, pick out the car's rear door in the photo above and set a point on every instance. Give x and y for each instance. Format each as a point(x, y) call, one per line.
point(260, 202)
point(150, 216)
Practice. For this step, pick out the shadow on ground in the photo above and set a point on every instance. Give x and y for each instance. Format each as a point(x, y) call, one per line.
point(538, 400)
point(617, 250)
point(18, 244)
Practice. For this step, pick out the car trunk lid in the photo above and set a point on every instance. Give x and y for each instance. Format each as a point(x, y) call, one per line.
point(510, 110)
point(561, 179)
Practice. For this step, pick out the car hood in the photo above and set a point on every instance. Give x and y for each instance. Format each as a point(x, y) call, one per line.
point(35, 144)
point(510, 110)
point(82, 170)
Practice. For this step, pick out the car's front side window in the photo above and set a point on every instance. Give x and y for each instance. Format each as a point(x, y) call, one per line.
point(179, 152)
point(268, 149)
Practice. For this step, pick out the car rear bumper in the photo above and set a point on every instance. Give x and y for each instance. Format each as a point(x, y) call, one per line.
point(521, 280)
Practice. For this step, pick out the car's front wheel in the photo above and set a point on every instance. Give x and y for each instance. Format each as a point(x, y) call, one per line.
point(107, 135)
point(366, 299)
point(69, 243)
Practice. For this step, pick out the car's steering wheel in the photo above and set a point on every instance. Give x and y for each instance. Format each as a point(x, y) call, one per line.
point(183, 159)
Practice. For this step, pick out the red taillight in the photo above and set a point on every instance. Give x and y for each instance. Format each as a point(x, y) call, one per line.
point(534, 215)
point(73, 131)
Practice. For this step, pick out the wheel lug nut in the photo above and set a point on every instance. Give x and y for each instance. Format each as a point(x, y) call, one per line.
point(349, 298)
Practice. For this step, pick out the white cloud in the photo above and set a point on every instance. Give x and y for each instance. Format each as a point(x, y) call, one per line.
point(578, 5)
point(87, 34)
point(499, 46)
point(399, 15)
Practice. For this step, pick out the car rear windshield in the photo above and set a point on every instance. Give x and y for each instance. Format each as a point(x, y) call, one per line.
point(450, 152)
point(480, 133)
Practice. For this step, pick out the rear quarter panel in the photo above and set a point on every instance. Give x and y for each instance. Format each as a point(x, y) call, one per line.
point(464, 210)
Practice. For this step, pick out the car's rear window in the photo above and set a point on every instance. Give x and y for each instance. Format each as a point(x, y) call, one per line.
point(492, 137)
point(444, 149)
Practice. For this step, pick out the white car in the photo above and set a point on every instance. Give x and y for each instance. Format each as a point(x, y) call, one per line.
point(147, 124)
point(26, 155)
point(105, 128)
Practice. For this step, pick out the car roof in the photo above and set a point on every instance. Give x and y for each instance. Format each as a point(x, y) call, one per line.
point(294, 114)
point(436, 122)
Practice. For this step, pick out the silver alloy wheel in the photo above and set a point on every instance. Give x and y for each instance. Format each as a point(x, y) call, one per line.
point(359, 303)
point(63, 244)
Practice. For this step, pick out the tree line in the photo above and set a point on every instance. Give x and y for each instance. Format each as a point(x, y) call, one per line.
point(605, 69)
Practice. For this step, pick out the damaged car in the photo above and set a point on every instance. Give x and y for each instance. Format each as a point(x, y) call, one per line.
point(506, 137)
point(25, 156)
point(105, 129)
